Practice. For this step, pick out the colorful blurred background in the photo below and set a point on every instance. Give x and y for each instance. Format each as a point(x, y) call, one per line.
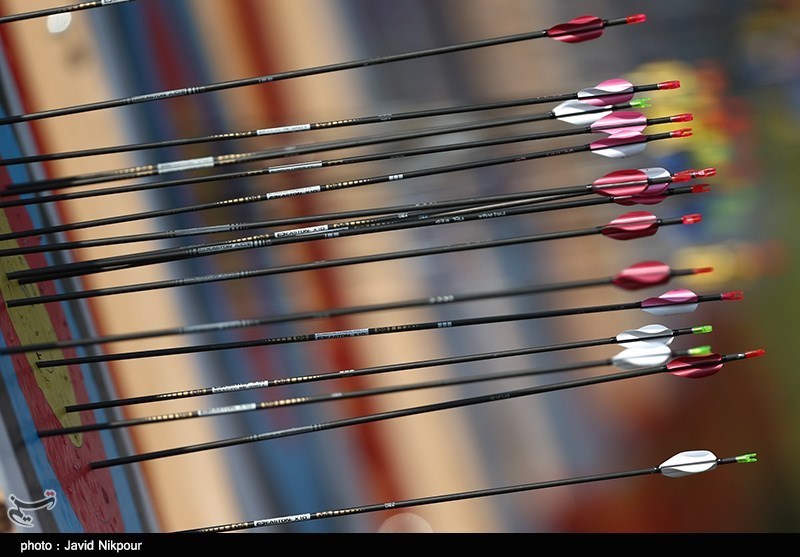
point(738, 63)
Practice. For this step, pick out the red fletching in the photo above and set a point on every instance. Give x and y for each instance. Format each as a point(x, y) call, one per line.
point(582, 28)
point(643, 275)
point(632, 225)
point(695, 367)
point(651, 195)
point(620, 121)
point(621, 182)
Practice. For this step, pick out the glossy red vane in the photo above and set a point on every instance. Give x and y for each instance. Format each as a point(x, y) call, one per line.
point(695, 367)
point(642, 275)
point(582, 28)
point(621, 182)
point(636, 224)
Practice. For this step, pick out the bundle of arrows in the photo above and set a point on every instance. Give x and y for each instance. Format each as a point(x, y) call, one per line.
point(46, 265)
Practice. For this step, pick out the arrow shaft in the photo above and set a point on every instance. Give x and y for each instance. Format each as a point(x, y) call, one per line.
point(328, 397)
point(282, 76)
point(324, 232)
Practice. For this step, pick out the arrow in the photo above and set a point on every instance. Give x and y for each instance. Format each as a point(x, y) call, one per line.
point(600, 120)
point(630, 358)
point(630, 182)
point(611, 91)
point(682, 464)
point(340, 230)
point(686, 367)
point(634, 338)
point(47, 12)
point(636, 224)
point(644, 274)
point(580, 29)
point(619, 145)
point(672, 302)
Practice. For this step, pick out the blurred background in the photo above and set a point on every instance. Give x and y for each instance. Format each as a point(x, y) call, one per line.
point(738, 64)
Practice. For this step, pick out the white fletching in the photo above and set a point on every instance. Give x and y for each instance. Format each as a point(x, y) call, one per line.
point(689, 462)
point(642, 337)
point(579, 113)
point(654, 354)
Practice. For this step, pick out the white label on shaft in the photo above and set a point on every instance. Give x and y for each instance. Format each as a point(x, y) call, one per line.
point(341, 334)
point(289, 193)
point(281, 520)
point(302, 231)
point(284, 129)
point(190, 164)
point(227, 409)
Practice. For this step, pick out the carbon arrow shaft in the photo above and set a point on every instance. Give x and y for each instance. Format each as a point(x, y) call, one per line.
point(405, 412)
point(353, 333)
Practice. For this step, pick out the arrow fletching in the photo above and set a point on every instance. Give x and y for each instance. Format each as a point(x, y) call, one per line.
point(680, 300)
point(688, 463)
point(636, 224)
point(579, 113)
point(650, 334)
point(643, 275)
point(621, 89)
point(622, 120)
point(588, 27)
